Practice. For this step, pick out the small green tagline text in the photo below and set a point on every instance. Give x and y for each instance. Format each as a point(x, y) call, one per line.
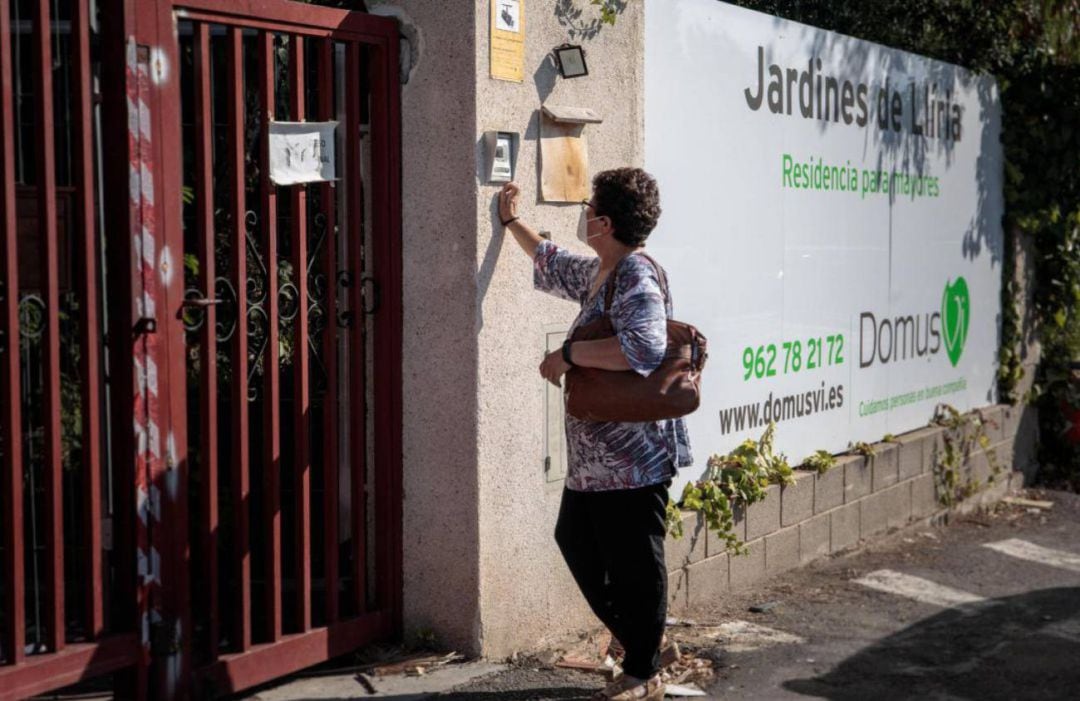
point(874, 406)
point(816, 174)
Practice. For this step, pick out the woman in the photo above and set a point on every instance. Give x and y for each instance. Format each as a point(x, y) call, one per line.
point(611, 522)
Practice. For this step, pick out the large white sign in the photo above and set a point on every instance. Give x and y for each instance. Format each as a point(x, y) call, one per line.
point(832, 223)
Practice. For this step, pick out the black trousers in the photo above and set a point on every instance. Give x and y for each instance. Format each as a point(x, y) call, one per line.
point(613, 543)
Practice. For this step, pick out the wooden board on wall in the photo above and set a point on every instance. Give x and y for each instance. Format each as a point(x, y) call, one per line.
point(564, 162)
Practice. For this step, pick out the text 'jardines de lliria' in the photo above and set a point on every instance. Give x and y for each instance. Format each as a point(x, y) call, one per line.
point(813, 95)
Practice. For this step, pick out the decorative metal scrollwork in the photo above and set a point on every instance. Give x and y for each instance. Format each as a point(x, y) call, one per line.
point(194, 315)
point(257, 274)
point(288, 302)
point(320, 238)
point(257, 323)
point(316, 279)
point(226, 315)
point(257, 320)
point(32, 317)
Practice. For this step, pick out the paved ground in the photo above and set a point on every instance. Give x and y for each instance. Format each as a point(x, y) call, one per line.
point(987, 607)
point(928, 614)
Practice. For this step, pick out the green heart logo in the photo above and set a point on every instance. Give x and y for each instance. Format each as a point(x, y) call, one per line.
point(955, 315)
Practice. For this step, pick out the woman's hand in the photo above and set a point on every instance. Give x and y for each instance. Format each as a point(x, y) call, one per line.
point(528, 239)
point(508, 201)
point(554, 367)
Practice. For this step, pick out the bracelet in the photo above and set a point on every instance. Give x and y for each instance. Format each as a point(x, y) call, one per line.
point(510, 221)
point(566, 353)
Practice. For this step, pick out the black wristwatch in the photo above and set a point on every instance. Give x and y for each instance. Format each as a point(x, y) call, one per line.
point(566, 352)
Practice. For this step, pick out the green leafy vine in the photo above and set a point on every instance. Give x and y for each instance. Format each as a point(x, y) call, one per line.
point(609, 10)
point(821, 461)
point(863, 448)
point(962, 433)
point(740, 477)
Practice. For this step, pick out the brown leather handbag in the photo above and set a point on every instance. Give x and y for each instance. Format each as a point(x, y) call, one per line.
point(671, 390)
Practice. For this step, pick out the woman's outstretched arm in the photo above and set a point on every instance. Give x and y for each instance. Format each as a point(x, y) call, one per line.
point(524, 234)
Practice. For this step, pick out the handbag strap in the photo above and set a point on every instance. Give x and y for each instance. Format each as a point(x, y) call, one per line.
point(609, 294)
point(662, 275)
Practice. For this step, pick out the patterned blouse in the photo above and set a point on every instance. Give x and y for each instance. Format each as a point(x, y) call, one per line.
point(612, 455)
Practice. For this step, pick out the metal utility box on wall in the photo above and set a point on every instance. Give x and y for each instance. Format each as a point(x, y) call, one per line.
point(500, 155)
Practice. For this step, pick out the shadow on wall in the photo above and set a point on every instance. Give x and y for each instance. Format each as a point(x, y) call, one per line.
point(569, 13)
point(1002, 648)
point(486, 269)
point(545, 76)
point(991, 176)
point(1025, 455)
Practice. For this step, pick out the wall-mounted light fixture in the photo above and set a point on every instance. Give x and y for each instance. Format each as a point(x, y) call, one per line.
point(571, 61)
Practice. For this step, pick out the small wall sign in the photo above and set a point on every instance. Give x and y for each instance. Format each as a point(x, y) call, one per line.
point(508, 40)
point(302, 152)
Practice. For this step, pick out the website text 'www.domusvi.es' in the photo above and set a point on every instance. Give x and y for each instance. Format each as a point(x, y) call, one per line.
point(781, 408)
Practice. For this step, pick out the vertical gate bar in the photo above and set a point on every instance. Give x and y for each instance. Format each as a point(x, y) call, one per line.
point(119, 110)
point(393, 336)
point(239, 472)
point(90, 365)
point(271, 373)
point(13, 635)
point(302, 461)
point(144, 409)
point(357, 351)
point(330, 400)
point(172, 664)
point(386, 206)
point(208, 399)
point(46, 198)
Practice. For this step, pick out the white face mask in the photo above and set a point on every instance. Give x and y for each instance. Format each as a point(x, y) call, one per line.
point(583, 227)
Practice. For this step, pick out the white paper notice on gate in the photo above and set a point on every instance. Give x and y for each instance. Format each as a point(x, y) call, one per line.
point(302, 152)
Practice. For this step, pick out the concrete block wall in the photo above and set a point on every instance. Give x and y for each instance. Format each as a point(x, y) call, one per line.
point(856, 499)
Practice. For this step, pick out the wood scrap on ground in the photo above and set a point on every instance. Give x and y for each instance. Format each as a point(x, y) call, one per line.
point(581, 664)
point(1034, 503)
point(415, 665)
point(690, 669)
point(590, 655)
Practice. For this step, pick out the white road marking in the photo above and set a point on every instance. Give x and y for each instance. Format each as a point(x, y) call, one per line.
point(920, 589)
point(1036, 553)
point(929, 592)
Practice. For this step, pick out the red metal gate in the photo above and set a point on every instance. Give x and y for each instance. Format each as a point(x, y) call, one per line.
point(256, 502)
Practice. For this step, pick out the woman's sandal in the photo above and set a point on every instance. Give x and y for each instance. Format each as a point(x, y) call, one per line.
point(669, 655)
point(627, 688)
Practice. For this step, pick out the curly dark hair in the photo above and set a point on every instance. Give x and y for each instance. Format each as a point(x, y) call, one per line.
point(631, 199)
